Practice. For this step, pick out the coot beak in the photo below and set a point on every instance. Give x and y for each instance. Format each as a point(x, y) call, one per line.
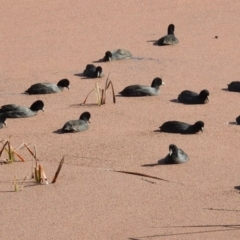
point(68, 87)
point(207, 100)
point(163, 83)
point(5, 123)
point(170, 152)
point(42, 109)
point(202, 129)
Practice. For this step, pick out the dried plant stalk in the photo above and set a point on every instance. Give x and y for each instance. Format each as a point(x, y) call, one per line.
point(58, 170)
point(21, 187)
point(16, 189)
point(43, 177)
point(101, 93)
point(103, 97)
point(113, 93)
point(40, 173)
point(96, 89)
point(20, 146)
point(31, 152)
point(11, 152)
point(19, 156)
point(87, 97)
point(104, 92)
point(4, 145)
point(37, 177)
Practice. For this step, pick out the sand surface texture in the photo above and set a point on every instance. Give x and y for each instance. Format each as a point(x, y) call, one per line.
point(50, 40)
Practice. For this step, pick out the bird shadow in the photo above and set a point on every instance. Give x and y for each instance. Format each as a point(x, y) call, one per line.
point(150, 165)
point(225, 89)
point(174, 100)
point(81, 75)
point(232, 123)
point(155, 42)
point(99, 61)
point(119, 95)
point(158, 163)
point(59, 131)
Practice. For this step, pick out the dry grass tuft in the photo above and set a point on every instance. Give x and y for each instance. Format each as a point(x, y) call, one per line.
point(101, 93)
point(11, 152)
point(38, 172)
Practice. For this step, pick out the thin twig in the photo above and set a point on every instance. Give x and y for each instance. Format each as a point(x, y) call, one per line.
point(19, 146)
point(4, 145)
point(86, 97)
point(58, 170)
point(15, 184)
point(29, 150)
point(114, 98)
point(19, 156)
point(21, 187)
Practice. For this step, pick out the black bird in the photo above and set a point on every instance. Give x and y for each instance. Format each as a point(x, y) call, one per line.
point(170, 38)
point(92, 71)
point(175, 156)
point(190, 97)
point(15, 111)
point(47, 88)
point(234, 86)
point(181, 127)
point(79, 125)
point(141, 90)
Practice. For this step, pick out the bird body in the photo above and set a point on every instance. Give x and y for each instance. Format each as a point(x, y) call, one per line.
point(175, 156)
point(170, 38)
point(92, 71)
point(181, 127)
point(47, 88)
point(234, 86)
point(15, 111)
point(79, 125)
point(119, 54)
point(141, 90)
point(190, 97)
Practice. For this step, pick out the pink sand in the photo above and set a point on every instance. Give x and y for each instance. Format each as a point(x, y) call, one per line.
point(50, 40)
